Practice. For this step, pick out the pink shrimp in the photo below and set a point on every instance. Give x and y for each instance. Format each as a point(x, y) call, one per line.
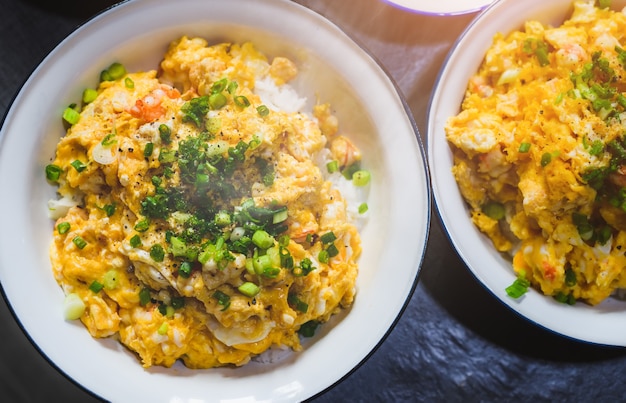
point(344, 151)
point(149, 108)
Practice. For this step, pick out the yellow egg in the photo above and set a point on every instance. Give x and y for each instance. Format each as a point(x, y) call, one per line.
point(197, 220)
point(540, 135)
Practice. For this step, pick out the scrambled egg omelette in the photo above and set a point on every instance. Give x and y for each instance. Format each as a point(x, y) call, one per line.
point(540, 152)
point(199, 218)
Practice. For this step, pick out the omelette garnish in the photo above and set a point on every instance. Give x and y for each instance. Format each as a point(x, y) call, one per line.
point(200, 217)
point(540, 153)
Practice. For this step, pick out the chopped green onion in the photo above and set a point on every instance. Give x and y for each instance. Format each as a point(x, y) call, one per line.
point(332, 250)
point(135, 241)
point(604, 3)
point(305, 267)
point(79, 166)
point(604, 234)
point(157, 253)
point(297, 303)
point(271, 272)
point(167, 156)
point(222, 219)
point(518, 288)
point(584, 227)
point(494, 210)
point(110, 279)
point(249, 289)
point(323, 256)
point(255, 142)
point(163, 329)
point(546, 158)
point(274, 254)
point(222, 299)
point(144, 296)
point(96, 286)
point(361, 178)
point(524, 147)
point(596, 147)
point(129, 83)
point(73, 307)
point(195, 110)
point(79, 242)
point(363, 207)
point(53, 172)
point(116, 70)
point(89, 95)
point(261, 263)
point(241, 101)
point(286, 260)
point(185, 269)
point(63, 227)
point(147, 151)
point(284, 241)
point(328, 237)
point(213, 125)
point(509, 75)
point(219, 85)
point(109, 209)
point(105, 76)
point(232, 87)
point(262, 239)
point(108, 140)
point(263, 110)
point(308, 328)
point(165, 133)
point(178, 302)
point(564, 298)
point(332, 166)
point(71, 115)
point(143, 225)
point(217, 101)
point(280, 216)
point(570, 277)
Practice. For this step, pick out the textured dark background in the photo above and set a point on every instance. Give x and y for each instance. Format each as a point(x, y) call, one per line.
point(455, 342)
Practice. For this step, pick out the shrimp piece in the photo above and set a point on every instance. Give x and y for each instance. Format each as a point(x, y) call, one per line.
point(329, 124)
point(478, 85)
point(344, 151)
point(571, 54)
point(149, 108)
point(493, 163)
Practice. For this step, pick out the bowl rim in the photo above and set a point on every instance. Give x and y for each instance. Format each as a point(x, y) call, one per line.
point(418, 258)
point(533, 307)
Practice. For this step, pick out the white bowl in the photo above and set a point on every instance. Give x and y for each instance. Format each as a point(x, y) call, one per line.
point(602, 324)
point(334, 68)
point(444, 7)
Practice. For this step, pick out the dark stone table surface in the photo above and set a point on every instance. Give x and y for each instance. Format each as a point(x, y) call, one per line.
point(454, 342)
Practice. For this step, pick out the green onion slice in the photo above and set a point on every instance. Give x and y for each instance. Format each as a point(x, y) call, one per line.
point(78, 165)
point(79, 242)
point(263, 110)
point(89, 95)
point(241, 101)
point(249, 289)
point(63, 227)
point(73, 306)
point(524, 147)
point(363, 207)
point(96, 286)
point(493, 209)
point(361, 177)
point(71, 115)
point(53, 172)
